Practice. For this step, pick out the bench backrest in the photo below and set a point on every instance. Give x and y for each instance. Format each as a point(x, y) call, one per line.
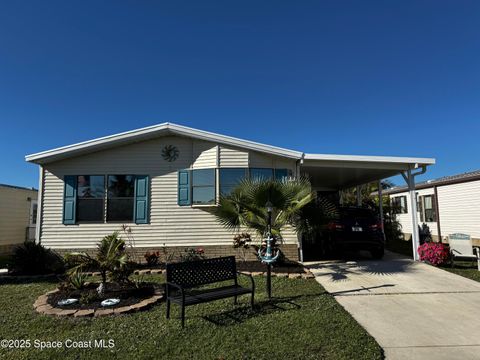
point(195, 273)
point(460, 244)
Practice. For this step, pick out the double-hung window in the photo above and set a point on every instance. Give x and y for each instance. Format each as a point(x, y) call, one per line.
point(427, 208)
point(90, 198)
point(399, 204)
point(120, 197)
point(203, 187)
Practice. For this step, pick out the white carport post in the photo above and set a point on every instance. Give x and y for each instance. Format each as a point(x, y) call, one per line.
point(410, 179)
point(359, 195)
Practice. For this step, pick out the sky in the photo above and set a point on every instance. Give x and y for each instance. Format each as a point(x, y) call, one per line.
point(396, 78)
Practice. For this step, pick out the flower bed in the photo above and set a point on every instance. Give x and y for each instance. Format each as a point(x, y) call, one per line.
point(434, 253)
point(131, 299)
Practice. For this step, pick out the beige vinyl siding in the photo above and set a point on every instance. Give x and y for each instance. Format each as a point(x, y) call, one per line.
point(204, 155)
point(14, 214)
point(460, 208)
point(170, 224)
point(230, 157)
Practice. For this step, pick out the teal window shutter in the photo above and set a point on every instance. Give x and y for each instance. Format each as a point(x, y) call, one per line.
point(70, 200)
point(141, 210)
point(184, 188)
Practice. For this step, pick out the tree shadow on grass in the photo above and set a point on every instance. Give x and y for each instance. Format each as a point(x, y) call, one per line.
point(262, 308)
point(17, 280)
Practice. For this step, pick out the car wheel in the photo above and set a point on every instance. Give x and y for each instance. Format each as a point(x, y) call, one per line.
point(378, 253)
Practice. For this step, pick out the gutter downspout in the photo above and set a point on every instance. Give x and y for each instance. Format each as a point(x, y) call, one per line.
point(38, 228)
point(437, 213)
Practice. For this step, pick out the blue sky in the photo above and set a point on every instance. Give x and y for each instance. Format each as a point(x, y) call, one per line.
point(349, 77)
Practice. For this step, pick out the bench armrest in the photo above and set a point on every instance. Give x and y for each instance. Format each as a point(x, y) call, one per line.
point(178, 287)
point(476, 251)
point(252, 282)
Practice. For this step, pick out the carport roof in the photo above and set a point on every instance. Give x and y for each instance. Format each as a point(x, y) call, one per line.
point(334, 172)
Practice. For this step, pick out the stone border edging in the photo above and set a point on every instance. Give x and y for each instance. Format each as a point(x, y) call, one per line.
point(42, 306)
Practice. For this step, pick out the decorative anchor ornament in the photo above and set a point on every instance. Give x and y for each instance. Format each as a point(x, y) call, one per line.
point(267, 257)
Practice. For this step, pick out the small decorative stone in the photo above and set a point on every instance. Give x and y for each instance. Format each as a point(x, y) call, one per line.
point(103, 312)
point(294, 276)
point(84, 313)
point(257, 273)
point(281, 275)
point(144, 272)
point(156, 271)
point(66, 312)
point(122, 310)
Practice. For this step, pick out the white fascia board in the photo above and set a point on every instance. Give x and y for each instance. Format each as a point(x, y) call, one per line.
point(103, 142)
point(228, 140)
point(371, 159)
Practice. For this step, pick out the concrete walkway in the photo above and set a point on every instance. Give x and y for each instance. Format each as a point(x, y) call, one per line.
point(413, 310)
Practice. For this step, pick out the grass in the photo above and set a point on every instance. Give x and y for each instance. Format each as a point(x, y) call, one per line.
point(302, 322)
point(465, 269)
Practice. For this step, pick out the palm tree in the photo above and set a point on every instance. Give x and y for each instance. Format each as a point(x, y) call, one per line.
point(245, 206)
point(111, 258)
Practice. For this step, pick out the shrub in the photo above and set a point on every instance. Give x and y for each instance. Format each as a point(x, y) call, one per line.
point(31, 258)
point(192, 254)
point(152, 257)
point(77, 280)
point(434, 253)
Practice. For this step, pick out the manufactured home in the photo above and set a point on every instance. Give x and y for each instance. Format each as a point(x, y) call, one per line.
point(18, 216)
point(447, 205)
point(161, 181)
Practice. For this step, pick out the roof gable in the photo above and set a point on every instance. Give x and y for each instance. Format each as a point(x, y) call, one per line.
point(152, 132)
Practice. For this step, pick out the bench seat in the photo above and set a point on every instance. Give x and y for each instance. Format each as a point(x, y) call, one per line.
point(206, 295)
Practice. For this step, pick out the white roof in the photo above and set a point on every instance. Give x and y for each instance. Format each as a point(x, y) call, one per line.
point(309, 160)
point(149, 133)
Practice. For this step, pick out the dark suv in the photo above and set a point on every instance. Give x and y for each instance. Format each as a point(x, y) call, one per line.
point(357, 229)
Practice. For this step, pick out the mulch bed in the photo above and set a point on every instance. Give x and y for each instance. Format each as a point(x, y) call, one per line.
point(128, 295)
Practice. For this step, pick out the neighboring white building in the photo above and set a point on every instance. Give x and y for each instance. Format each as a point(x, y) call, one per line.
point(18, 216)
point(446, 205)
point(161, 181)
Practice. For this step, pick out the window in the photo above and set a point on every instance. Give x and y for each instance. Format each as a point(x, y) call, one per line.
point(229, 178)
point(33, 212)
point(120, 197)
point(281, 174)
point(427, 208)
point(399, 204)
point(90, 197)
point(261, 174)
point(203, 187)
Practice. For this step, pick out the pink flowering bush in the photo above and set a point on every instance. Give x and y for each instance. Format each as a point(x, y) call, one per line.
point(434, 253)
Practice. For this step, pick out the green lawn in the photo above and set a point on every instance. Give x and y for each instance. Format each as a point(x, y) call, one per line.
point(302, 323)
point(465, 269)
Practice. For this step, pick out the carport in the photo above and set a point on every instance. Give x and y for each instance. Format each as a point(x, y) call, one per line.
point(337, 172)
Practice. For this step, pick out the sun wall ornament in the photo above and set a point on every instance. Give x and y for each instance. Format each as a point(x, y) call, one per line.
point(170, 153)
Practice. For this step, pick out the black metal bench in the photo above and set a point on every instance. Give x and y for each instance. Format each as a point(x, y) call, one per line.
point(184, 278)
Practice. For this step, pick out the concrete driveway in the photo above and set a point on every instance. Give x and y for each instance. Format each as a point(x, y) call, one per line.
point(413, 310)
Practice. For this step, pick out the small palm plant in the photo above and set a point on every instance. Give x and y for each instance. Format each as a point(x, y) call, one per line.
point(111, 258)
